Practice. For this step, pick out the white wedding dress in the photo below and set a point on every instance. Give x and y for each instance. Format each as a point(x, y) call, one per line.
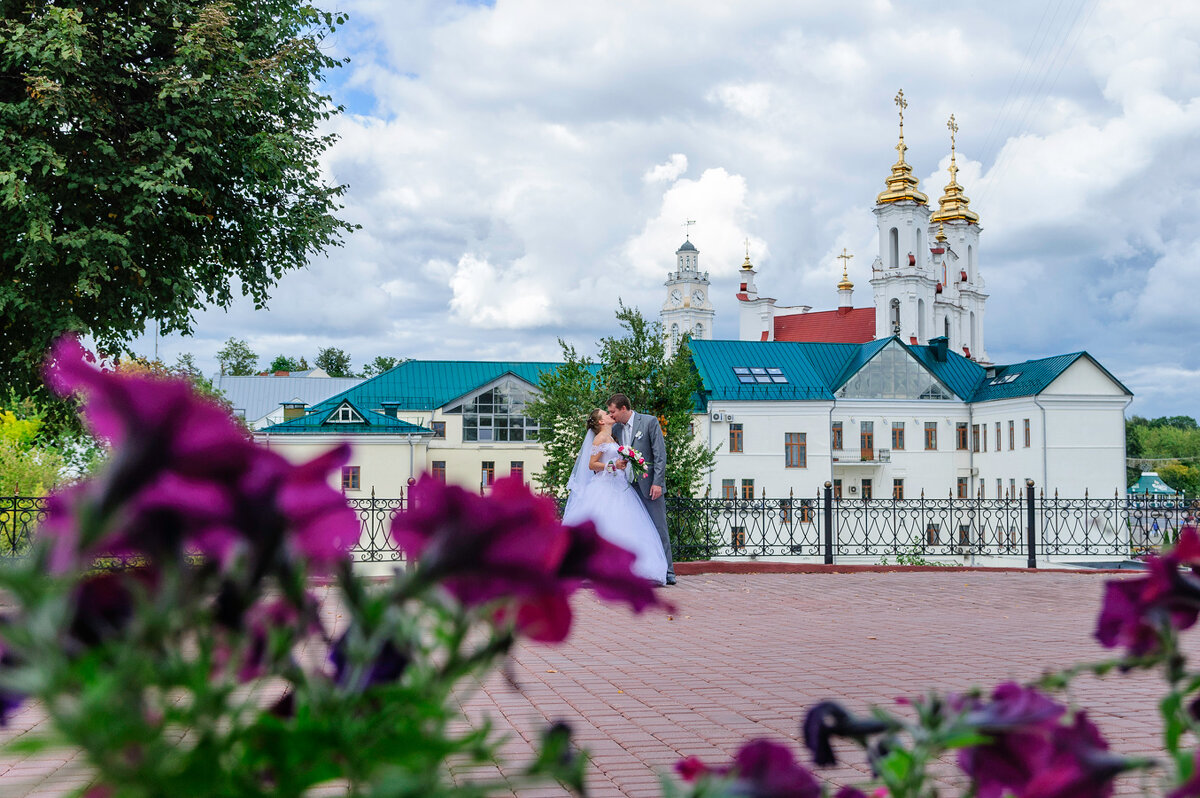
point(610, 502)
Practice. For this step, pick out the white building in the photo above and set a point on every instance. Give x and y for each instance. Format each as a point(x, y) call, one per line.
point(687, 309)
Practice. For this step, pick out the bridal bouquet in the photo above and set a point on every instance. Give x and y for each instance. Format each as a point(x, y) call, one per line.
point(637, 463)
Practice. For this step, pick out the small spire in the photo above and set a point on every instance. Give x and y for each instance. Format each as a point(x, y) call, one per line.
point(941, 233)
point(901, 183)
point(746, 264)
point(845, 284)
point(954, 204)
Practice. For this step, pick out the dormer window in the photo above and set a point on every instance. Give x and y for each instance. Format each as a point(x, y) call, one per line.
point(345, 414)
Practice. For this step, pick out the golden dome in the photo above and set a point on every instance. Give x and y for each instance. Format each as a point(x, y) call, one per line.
point(901, 183)
point(746, 264)
point(954, 204)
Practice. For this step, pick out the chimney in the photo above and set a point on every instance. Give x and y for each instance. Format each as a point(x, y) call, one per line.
point(939, 345)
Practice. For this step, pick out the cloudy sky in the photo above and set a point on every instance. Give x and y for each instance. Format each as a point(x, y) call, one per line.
point(519, 167)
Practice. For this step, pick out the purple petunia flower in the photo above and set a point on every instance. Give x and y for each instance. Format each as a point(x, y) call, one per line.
point(387, 665)
point(510, 546)
point(761, 768)
point(1135, 611)
point(184, 476)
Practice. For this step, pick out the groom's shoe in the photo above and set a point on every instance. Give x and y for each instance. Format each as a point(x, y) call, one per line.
point(670, 580)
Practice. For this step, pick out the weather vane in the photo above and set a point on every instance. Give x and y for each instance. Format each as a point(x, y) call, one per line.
point(687, 233)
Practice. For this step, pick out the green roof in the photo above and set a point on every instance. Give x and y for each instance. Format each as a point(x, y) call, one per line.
point(373, 423)
point(817, 370)
point(1149, 482)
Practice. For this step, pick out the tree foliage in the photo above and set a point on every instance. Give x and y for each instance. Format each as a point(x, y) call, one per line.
point(335, 362)
point(237, 359)
point(287, 363)
point(1172, 441)
point(635, 364)
point(380, 364)
point(153, 155)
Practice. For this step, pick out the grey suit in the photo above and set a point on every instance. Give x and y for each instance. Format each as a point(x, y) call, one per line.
point(646, 436)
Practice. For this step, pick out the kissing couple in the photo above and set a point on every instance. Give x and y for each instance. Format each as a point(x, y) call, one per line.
point(624, 499)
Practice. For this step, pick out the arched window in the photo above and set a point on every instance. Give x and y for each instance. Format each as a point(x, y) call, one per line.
point(947, 328)
point(920, 247)
point(971, 263)
point(972, 333)
point(893, 248)
point(921, 321)
point(895, 316)
point(675, 333)
point(698, 332)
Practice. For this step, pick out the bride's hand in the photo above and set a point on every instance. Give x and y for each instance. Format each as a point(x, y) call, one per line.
point(620, 464)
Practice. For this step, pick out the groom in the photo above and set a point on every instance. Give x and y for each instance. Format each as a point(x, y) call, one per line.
point(642, 432)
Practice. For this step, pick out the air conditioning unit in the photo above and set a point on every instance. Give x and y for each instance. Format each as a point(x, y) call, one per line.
point(718, 416)
point(975, 472)
point(729, 416)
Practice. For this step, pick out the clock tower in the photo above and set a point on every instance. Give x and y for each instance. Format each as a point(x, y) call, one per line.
point(687, 309)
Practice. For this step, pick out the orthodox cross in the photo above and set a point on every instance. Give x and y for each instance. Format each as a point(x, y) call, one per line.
point(747, 247)
point(901, 103)
point(952, 126)
point(845, 259)
point(687, 233)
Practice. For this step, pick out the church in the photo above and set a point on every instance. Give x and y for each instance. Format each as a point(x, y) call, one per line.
point(899, 399)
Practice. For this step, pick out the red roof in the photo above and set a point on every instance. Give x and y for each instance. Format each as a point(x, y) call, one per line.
point(841, 326)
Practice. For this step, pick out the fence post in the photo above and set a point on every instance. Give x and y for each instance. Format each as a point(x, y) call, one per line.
point(1030, 541)
point(828, 499)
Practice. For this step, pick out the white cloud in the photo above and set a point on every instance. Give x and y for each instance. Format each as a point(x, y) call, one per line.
point(491, 297)
point(675, 166)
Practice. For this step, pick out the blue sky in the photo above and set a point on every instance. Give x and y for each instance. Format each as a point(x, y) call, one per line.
point(518, 167)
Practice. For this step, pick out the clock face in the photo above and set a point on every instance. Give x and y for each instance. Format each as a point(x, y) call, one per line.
point(676, 296)
point(697, 297)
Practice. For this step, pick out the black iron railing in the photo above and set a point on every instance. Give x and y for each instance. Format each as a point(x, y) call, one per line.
point(828, 529)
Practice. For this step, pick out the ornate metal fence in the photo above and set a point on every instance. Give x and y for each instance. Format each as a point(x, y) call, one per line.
point(821, 527)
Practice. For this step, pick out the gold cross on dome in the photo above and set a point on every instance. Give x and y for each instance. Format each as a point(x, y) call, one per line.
point(845, 259)
point(902, 104)
point(953, 127)
point(747, 247)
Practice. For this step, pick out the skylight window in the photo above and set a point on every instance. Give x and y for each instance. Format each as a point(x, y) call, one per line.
point(1004, 379)
point(758, 375)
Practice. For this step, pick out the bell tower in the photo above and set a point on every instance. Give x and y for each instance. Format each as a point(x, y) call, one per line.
point(687, 309)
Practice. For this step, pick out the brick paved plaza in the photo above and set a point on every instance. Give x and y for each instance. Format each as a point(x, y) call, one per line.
point(744, 654)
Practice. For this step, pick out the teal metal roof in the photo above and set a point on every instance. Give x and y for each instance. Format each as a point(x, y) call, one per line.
point(817, 370)
point(1032, 377)
point(373, 423)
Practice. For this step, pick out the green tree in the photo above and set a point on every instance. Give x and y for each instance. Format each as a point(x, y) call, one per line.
point(237, 359)
point(335, 362)
point(1181, 477)
point(153, 155)
point(287, 363)
point(185, 366)
point(635, 364)
point(380, 364)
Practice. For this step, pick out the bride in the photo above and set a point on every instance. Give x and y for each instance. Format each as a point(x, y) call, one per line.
point(601, 493)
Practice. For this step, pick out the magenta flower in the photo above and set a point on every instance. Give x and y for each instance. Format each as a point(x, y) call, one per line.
point(1136, 612)
point(387, 665)
point(10, 700)
point(1031, 754)
point(761, 768)
point(509, 546)
point(184, 476)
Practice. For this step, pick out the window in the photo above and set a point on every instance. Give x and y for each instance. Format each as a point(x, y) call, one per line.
point(894, 374)
point(747, 489)
point(439, 429)
point(439, 470)
point(497, 414)
point(930, 436)
point(898, 435)
point(998, 436)
point(963, 490)
point(974, 437)
point(866, 489)
point(345, 415)
point(795, 450)
point(735, 437)
point(837, 489)
point(729, 489)
point(785, 511)
point(488, 473)
point(1026, 433)
point(737, 538)
point(754, 375)
point(1012, 489)
point(1012, 435)
point(983, 434)
point(999, 488)
point(897, 489)
point(964, 534)
point(516, 468)
point(351, 478)
point(806, 511)
point(866, 439)
point(836, 434)
point(293, 410)
point(960, 434)
point(982, 489)
point(932, 533)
